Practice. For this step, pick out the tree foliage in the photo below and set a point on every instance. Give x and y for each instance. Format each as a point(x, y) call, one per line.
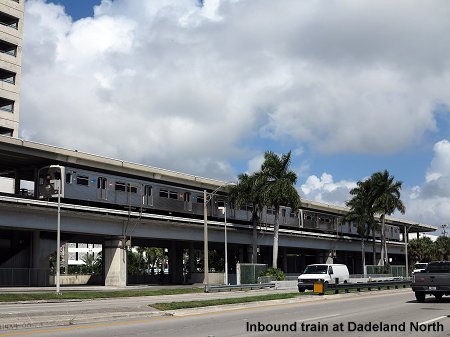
point(379, 194)
point(272, 186)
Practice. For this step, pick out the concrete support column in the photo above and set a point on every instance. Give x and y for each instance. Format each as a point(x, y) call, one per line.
point(176, 264)
point(16, 182)
point(115, 262)
point(40, 259)
point(250, 253)
point(329, 257)
point(284, 257)
point(191, 257)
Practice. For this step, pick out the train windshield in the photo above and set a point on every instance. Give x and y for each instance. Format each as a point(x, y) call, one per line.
point(46, 176)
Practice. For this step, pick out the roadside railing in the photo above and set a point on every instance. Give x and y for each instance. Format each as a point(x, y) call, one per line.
point(346, 287)
point(213, 288)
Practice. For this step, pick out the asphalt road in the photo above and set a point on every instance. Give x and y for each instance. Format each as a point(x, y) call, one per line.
point(348, 315)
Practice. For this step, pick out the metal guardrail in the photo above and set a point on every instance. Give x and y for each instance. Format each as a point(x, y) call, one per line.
point(367, 285)
point(213, 288)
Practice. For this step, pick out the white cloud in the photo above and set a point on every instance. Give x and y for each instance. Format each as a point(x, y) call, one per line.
point(172, 84)
point(325, 189)
point(430, 202)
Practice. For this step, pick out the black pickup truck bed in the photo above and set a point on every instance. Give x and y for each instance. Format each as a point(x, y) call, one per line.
point(434, 280)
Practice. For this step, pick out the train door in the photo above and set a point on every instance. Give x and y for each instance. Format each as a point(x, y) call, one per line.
point(147, 198)
point(187, 201)
point(102, 191)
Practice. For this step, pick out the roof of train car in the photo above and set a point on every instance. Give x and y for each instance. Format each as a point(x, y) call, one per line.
point(26, 156)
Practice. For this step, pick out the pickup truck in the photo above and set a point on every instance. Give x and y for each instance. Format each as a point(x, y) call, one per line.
point(434, 280)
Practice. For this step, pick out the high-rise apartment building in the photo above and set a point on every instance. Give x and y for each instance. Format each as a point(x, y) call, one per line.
point(11, 41)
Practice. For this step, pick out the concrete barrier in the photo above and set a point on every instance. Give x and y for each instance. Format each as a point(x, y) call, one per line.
point(78, 279)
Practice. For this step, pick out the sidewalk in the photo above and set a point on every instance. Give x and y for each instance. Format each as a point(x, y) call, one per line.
point(34, 314)
point(95, 288)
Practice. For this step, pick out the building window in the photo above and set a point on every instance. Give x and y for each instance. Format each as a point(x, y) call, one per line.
point(8, 48)
point(7, 76)
point(120, 186)
point(8, 20)
point(6, 105)
point(83, 180)
point(6, 131)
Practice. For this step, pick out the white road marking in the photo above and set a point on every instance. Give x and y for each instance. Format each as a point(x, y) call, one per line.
point(317, 318)
point(433, 320)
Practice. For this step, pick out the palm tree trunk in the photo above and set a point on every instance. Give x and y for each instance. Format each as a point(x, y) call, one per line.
point(276, 229)
point(374, 248)
point(254, 241)
point(382, 258)
point(363, 255)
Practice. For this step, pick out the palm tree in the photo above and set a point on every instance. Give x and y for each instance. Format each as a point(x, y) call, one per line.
point(278, 190)
point(361, 211)
point(248, 191)
point(387, 201)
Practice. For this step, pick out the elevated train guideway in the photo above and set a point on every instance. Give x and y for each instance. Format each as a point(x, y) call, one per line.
point(168, 213)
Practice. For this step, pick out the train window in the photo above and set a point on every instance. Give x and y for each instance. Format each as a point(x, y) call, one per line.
point(243, 207)
point(308, 217)
point(57, 175)
point(220, 203)
point(283, 212)
point(250, 208)
point(120, 186)
point(270, 210)
point(148, 190)
point(173, 195)
point(69, 178)
point(132, 189)
point(83, 180)
point(292, 214)
point(200, 199)
point(163, 193)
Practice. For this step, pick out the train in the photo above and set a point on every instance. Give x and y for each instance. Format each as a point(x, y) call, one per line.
point(82, 186)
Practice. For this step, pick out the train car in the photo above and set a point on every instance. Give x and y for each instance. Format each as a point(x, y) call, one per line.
point(95, 188)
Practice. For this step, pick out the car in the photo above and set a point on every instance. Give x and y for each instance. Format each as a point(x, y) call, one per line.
point(323, 273)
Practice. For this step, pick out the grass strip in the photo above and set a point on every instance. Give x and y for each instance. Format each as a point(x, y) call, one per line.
point(207, 303)
point(73, 295)
point(248, 299)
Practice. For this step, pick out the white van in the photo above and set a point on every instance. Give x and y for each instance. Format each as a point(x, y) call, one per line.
point(325, 273)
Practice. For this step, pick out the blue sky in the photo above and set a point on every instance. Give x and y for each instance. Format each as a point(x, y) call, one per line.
point(78, 9)
point(350, 87)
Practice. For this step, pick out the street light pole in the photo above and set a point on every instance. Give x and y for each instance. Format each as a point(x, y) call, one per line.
point(205, 240)
point(205, 230)
point(58, 243)
point(57, 185)
point(224, 210)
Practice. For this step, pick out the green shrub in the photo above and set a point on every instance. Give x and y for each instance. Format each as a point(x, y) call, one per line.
point(275, 272)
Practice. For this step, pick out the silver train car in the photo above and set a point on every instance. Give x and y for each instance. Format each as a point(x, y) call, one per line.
point(95, 188)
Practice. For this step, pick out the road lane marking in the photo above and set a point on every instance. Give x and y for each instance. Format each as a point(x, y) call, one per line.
point(317, 318)
point(433, 320)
